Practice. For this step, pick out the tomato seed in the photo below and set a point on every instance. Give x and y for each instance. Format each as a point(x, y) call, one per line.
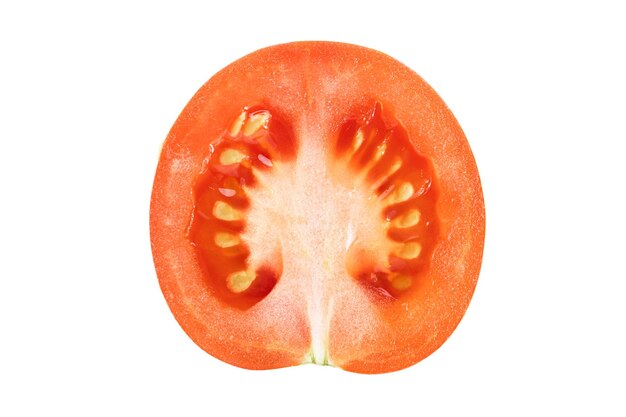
point(226, 240)
point(224, 211)
point(240, 281)
point(232, 156)
point(408, 219)
point(410, 250)
point(255, 122)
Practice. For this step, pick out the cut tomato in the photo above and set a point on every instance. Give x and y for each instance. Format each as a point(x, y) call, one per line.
point(317, 202)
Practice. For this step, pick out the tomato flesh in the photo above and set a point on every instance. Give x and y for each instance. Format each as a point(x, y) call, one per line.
point(317, 202)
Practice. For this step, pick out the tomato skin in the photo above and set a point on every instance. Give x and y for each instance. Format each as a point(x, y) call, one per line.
point(316, 86)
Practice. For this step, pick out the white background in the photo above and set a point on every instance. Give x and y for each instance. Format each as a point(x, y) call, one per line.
point(87, 94)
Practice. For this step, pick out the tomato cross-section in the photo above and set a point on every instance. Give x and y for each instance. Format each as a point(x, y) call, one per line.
point(317, 202)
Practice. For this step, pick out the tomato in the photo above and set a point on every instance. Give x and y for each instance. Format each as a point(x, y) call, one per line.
point(317, 202)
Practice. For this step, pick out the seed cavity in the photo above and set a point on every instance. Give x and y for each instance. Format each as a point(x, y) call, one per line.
point(408, 219)
point(410, 250)
point(255, 122)
point(401, 282)
point(376, 155)
point(226, 240)
point(232, 156)
point(225, 211)
point(240, 281)
point(235, 128)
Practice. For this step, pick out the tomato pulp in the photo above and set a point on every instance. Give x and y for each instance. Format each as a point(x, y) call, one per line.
point(317, 202)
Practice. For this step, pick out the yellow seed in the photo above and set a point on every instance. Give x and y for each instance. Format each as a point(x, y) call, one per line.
point(226, 240)
point(224, 211)
point(232, 156)
point(408, 219)
point(401, 282)
point(410, 250)
point(358, 140)
point(402, 193)
point(380, 151)
point(255, 122)
point(235, 128)
point(396, 166)
point(240, 281)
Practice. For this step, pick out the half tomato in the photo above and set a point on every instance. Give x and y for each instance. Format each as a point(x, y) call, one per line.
point(317, 202)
